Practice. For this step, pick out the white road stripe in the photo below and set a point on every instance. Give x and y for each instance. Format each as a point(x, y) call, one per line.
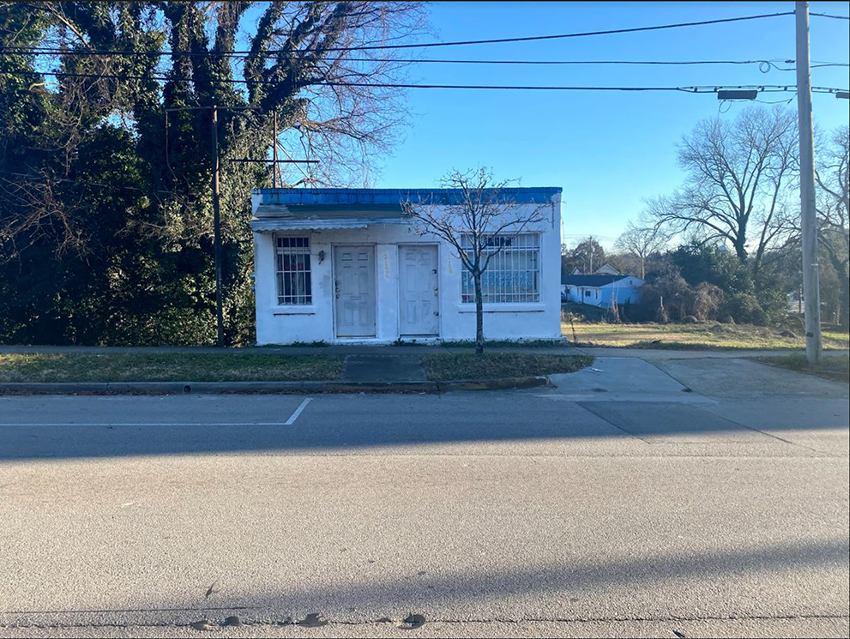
point(291, 420)
point(140, 424)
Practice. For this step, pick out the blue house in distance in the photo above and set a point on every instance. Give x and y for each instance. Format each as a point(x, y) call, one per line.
point(602, 291)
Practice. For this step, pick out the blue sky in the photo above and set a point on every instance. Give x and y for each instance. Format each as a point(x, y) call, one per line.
point(608, 151)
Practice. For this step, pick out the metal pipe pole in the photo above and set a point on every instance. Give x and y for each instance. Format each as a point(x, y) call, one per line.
point(274, 151)
point(217, 229)
point(811, 286)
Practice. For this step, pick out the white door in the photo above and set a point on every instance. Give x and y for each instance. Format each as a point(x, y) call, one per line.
point(354, 288)
point(418, 290)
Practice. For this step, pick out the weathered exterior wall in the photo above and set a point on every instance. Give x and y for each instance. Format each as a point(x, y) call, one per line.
point(282, 325)
point(625, 291)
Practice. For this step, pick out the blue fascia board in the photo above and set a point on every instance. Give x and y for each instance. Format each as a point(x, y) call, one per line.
point(296, 197)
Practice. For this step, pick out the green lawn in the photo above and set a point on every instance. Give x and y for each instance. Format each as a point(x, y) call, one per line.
point(447, 367)
point(165, 367)
point(712, 335)
point(834, 367)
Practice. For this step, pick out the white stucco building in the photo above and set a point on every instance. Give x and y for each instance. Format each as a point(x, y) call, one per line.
point(345, 265)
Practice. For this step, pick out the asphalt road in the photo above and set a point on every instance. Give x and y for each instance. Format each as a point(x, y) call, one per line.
point(679, 498)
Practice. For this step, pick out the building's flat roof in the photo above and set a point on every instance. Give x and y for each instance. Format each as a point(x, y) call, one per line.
point(393, 197)
point(594, 281)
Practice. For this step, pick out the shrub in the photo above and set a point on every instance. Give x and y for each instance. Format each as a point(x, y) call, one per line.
point(707, 301)
point(744, 308)
point(666, 296)
point(704, 263)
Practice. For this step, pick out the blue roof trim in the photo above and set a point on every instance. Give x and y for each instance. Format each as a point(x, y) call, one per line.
point(296, 197)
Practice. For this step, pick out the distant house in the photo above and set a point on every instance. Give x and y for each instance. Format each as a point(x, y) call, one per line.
point(606, 269)
point(602, 291)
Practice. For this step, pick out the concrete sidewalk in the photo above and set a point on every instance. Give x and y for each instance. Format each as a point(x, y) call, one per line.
point(417, 349)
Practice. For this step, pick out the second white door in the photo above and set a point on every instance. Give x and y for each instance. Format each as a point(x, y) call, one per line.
point(419, 293)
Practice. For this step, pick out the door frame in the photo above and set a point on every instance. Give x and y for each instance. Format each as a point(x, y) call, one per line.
point(439, 332)
point(374, 248)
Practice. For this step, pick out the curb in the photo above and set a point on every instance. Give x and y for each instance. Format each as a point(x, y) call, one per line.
point(171, 388)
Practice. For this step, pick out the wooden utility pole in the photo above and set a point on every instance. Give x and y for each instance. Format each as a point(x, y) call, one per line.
point(811, 286)
point(217, 196)
point(219, 316)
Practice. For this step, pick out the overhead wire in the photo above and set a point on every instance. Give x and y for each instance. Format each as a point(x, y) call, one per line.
point(828, 15)
point(764, 65)
point(420, 45)
point(765, 88)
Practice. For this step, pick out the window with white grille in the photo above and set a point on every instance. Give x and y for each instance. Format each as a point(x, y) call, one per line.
point(513, 274)
point(292, 257)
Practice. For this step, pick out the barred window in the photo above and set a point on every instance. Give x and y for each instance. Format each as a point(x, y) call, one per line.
point(513, 274)
point(292, 256)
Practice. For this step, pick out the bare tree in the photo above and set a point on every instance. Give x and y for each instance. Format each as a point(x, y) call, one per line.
point(313, 64)
point(832, 207)
point(479, 221)
point(641, 242)
point(739, 186)
point(583, 256)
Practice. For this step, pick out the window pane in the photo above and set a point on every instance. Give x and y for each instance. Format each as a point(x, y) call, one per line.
point(512, 274)
point(293, 270)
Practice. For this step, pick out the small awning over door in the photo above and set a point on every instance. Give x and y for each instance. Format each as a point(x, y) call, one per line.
point(277, 217)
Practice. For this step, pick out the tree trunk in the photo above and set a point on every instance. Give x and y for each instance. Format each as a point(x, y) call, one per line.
point(741, 250)
point(479, 316)
point(843, 319)
point(844, 284)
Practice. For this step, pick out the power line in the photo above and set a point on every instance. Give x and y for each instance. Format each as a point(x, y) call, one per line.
point(829, 15)
point(770, 63)
point(762, 88)
point(420, 45)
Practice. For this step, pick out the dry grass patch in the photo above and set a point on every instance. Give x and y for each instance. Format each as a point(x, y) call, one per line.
point(707, 335)
point(834, 367)
point(449, 367)
point(167, 367)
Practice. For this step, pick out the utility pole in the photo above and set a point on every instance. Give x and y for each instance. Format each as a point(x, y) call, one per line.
point(217, 229)
point(811, 286)
point(217, 196)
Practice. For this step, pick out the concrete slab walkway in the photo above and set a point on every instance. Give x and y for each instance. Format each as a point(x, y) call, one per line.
point(618, 379)
point(383, 368)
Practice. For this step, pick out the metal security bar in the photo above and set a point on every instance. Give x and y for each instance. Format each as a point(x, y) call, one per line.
point(513, 274)
point(294, 286)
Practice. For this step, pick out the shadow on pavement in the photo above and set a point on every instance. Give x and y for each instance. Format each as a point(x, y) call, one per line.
point(729, 579)
point(82, 427)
